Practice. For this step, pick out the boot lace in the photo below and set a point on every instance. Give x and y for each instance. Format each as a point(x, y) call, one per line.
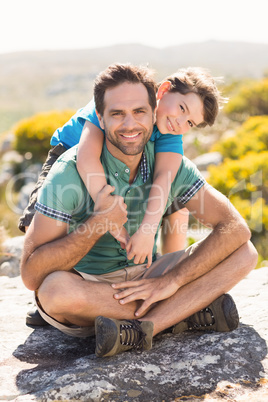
point(202, 319)
point(131, 334)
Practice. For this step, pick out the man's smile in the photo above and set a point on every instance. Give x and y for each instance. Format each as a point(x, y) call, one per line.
point(130, 136)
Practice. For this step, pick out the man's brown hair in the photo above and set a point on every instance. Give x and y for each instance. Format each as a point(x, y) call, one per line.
point(117, 74)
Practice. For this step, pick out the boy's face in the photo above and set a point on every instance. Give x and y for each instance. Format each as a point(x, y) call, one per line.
point(128, 119)
point(177, 113)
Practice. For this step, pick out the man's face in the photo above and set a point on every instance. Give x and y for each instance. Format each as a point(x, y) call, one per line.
point(128, 119)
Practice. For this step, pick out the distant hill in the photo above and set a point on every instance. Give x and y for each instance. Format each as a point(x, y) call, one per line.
point(35, 81)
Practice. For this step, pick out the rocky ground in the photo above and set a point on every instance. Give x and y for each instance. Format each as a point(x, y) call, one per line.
point(45, 365)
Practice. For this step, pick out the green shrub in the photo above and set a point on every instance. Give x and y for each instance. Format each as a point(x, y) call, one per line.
point(34, 134)
point(251, 136)
point(251, 99)
point(245, 182)
point(245, 175)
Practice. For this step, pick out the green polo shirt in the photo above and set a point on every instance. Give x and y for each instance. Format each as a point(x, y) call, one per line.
point(64, 197)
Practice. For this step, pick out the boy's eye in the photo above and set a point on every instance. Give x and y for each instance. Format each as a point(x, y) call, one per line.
point(190, 123)
point(182, 108)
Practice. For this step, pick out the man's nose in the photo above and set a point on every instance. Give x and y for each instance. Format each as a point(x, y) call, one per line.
point(129, 121)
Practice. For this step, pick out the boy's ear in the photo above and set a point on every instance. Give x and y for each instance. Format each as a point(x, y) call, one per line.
point(164, 87)
point(100, 119)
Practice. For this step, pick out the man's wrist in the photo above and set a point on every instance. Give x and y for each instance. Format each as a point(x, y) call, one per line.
point(97, 224)
point(175, 277)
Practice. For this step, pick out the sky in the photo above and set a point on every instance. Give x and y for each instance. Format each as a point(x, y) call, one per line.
point(77, 24)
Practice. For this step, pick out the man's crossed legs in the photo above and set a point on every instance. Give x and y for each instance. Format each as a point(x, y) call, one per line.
point(81, 306)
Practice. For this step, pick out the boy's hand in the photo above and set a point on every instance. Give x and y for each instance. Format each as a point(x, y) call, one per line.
point(140, 247)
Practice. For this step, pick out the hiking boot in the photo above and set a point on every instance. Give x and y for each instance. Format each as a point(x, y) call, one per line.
point(221, 316)
point(33, 318)
point(114, 336)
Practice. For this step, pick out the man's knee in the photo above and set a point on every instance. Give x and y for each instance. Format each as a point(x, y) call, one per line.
point(57, 290)
point(54, 281)
point(246, 258)
point(250, 255)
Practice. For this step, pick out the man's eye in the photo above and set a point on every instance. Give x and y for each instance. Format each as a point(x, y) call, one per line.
point(139, 111)
point(116, 114)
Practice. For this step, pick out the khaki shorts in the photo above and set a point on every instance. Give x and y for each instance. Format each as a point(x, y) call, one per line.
point(162, 265)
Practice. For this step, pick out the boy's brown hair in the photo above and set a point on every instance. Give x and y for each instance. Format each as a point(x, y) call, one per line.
point(199, 81)
point(117, 74)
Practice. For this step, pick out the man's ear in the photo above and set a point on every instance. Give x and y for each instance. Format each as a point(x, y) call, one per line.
point(100, 119)
point(164, 87)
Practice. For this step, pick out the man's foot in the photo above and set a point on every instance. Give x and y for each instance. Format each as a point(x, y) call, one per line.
point(114, 336)
point(33, 318)
point(221, 316)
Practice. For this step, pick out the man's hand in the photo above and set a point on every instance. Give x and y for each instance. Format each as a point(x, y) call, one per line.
point(140, 247)
point(112, 209)
point(150, 290)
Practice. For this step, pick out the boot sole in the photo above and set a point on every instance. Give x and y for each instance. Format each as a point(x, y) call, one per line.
point(106, 335)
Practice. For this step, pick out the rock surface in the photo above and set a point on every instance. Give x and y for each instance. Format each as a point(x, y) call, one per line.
point(205, 160)
point(45, 365)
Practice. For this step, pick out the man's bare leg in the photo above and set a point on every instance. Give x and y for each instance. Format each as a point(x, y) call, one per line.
point(70, 299)
point(113, 336)
point(200, 293)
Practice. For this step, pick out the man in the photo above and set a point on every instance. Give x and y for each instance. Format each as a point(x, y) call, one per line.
point(81, 275)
